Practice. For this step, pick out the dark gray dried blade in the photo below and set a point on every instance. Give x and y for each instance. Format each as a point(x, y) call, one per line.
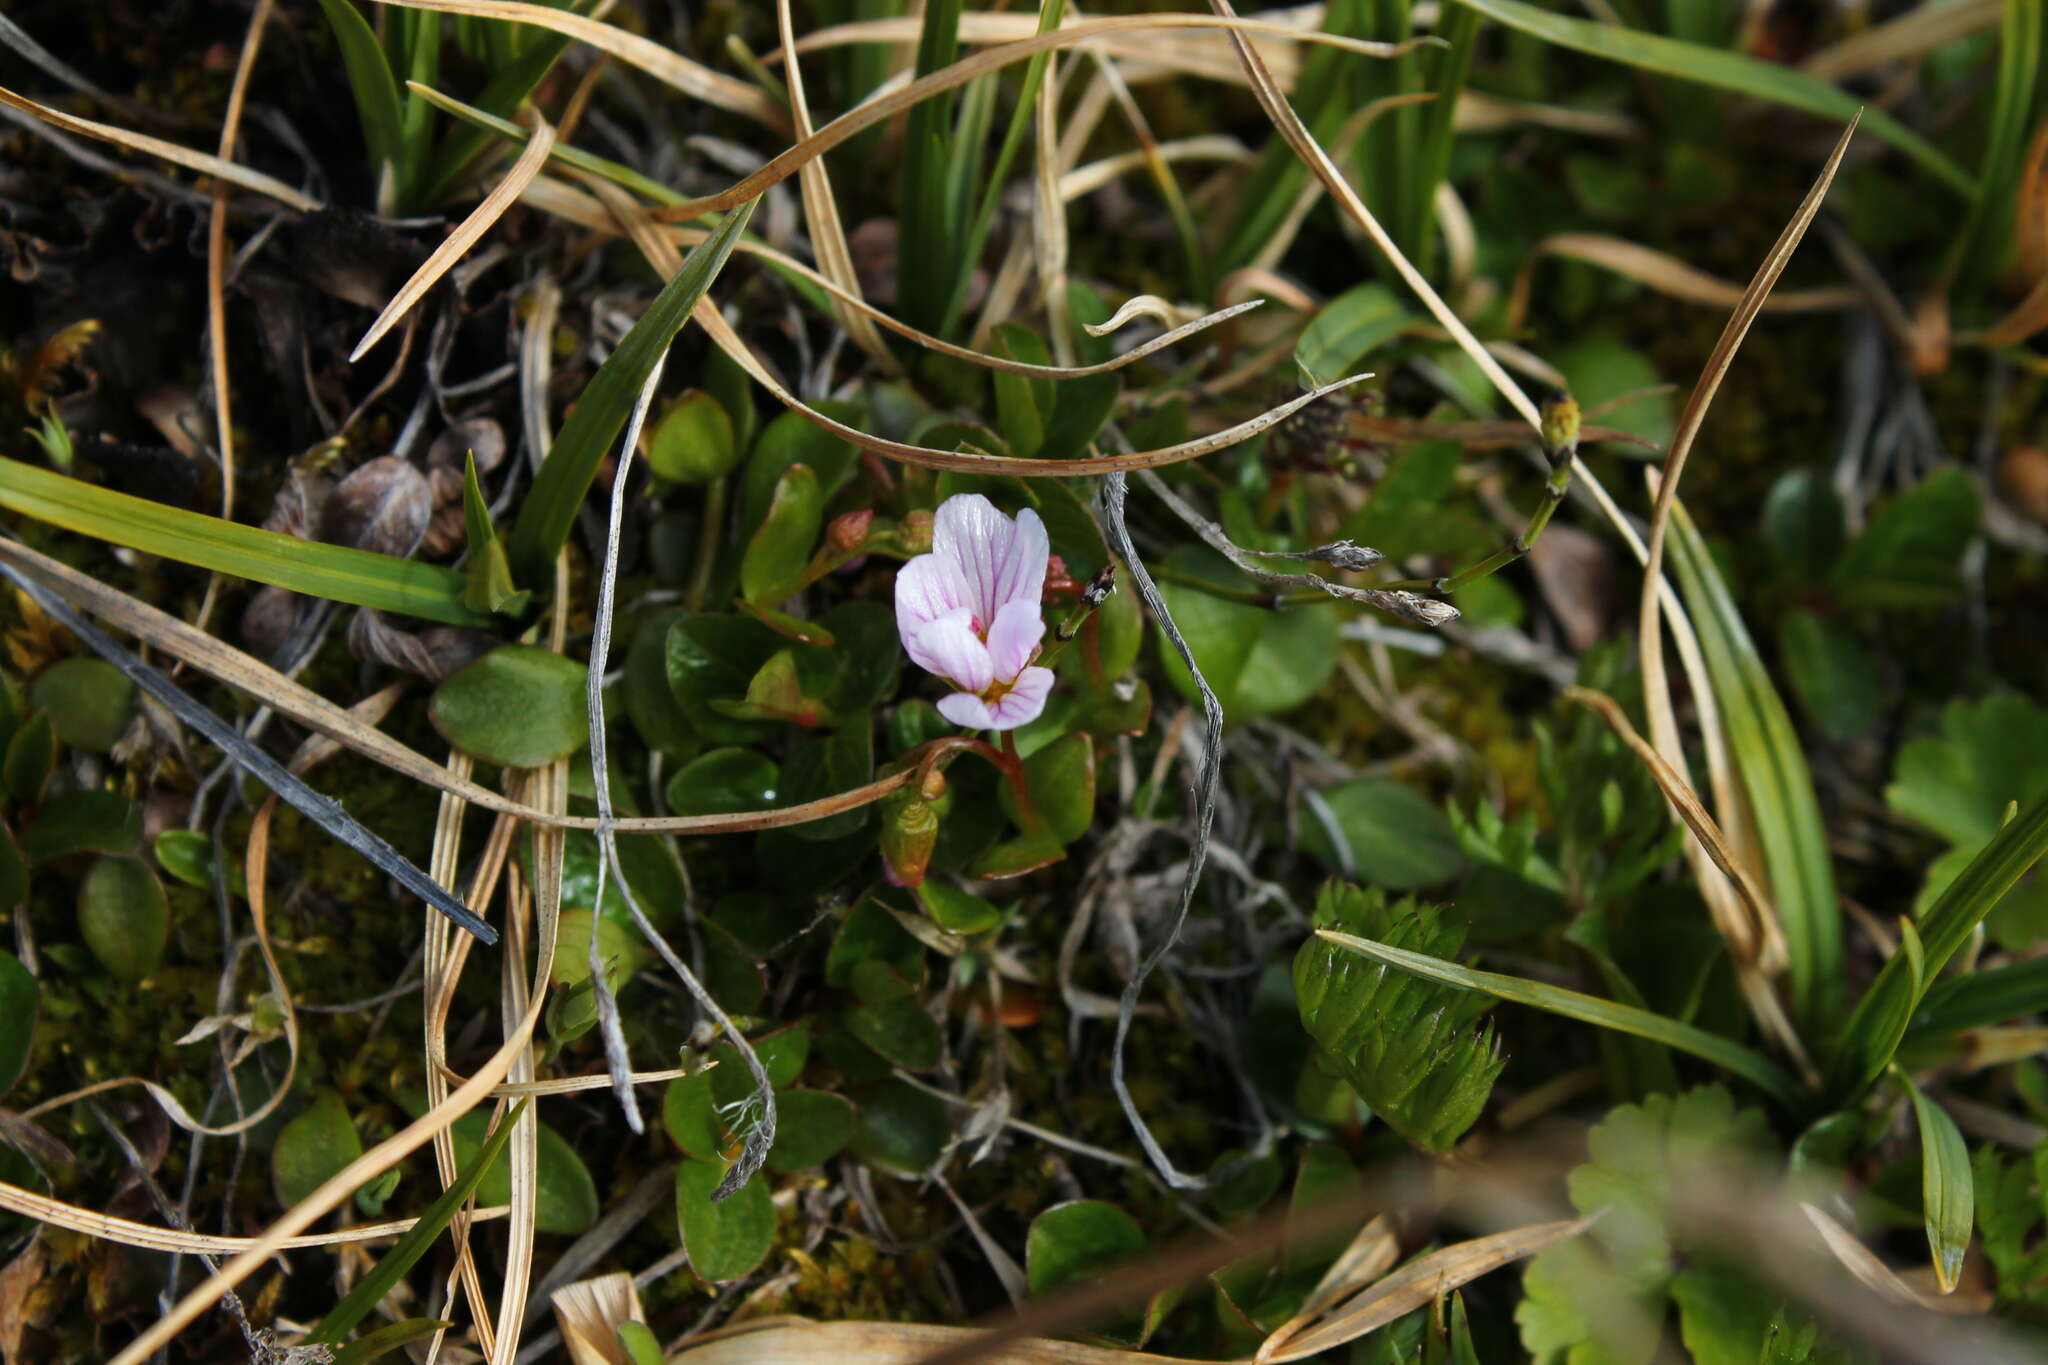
point(321, 810)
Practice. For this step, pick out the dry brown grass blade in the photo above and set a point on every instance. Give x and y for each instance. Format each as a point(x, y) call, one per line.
point(1371, 1254)
point(1307, 197)
point(1663, 272)
point(661, 253)
point(1880, 1279)
point(1746, 938)
point(1656, 683)
point(1422, 1282)
point(216, 285)
point(570, 1085)
point(1085, 180)
point(730, 342)
point(592, 211)
point(1278, 35)
point(885, 107)
point(245, 674)
point(671, 68)
point(107, 1228)
point(1319, 164)
point(165, 151)
point(1481, 113)
point(2016, 328)
point(821, 210)
point(891, 1343)
point(1746, 920)
point(2030, 210)
point(466, 235)
point(1915, 33)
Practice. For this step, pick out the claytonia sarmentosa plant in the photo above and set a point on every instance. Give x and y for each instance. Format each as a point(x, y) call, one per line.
point(969, 612)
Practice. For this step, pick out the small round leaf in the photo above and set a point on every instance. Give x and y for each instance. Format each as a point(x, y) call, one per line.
point(123, 917)
point(88, 701)
point(724, 1240)
point(1077, 1241)
point(519, 706)
point(311, 1148)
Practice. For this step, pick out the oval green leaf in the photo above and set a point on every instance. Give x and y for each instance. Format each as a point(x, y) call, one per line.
point(519, 707)
point(89, 702)
point(18, 996)
point(123, 917)
point(1077, 1241)
point(312, 1148)
point(724, 1240)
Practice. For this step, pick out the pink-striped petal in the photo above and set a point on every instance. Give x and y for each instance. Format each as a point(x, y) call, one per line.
point(1014, 638)
point(999, 560)
point(950, 648)
point(927, 588)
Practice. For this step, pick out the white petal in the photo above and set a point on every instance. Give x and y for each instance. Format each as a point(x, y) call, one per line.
point(967, 710)
point(927, 588)
point(970, 534)
point(1013, 638)
point(950, 648)
point(1022, 703)
point(1020, 570)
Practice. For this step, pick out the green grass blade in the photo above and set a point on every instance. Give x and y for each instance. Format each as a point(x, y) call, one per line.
point(1879, 1023)
point(586, 437)
point(1990, 995)
point(513, 80)
point(1745, 1062)
point(422, 29)
point(371, 81)
point(1775, 778)
point(1460, 29)
point(371, 1289)
point(387, 1339)
point(1986, 230)
point(487, 124)
point(929, 233)
point(1322, 97)
point(358, 577)
point(1947, 1189)
point(1724, 70)
point(1051, 13)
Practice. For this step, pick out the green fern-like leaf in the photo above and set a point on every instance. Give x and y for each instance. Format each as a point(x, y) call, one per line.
point(1407, 1046)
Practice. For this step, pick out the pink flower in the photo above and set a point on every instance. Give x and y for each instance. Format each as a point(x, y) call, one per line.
point(969, 612)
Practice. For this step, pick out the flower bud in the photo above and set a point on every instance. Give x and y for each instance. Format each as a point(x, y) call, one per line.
point(910, 827)
point(933, 788)
point(848, 532)
point(914, 535)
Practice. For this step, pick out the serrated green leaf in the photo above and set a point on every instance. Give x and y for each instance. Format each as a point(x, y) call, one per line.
point(1753, 1066)
point(1406, 1044)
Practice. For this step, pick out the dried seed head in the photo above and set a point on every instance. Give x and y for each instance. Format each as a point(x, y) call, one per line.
point(373, 639)
point(451, 649)
point(268, 620)
point(1344, 554)
point(446, 483)
point(447, 531)
point(301, 500)
point(383, 507)
point(1423, 611)
point(481, 436)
